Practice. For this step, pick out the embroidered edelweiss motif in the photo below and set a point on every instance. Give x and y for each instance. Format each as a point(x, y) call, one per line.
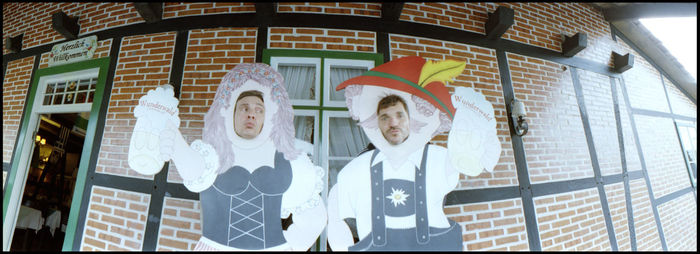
point(397, 197)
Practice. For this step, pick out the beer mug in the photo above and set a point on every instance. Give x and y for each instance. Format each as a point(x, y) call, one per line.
point(472, 143)
point(155, 109)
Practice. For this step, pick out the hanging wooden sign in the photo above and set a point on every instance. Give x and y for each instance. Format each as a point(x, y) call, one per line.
point(73, 51)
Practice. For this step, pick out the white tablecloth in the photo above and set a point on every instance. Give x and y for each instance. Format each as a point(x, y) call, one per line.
point(53, 221)
point(29, 218)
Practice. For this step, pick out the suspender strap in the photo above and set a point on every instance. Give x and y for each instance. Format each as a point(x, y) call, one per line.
point(378, 219)
point(377, 182)
point(422, 227)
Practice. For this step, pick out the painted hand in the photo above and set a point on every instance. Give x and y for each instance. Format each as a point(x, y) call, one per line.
point(167, 142)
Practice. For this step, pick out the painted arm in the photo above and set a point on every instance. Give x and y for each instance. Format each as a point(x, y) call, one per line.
point(308, 225)
point(196, 163)
point(188, 162)
point(339, 234)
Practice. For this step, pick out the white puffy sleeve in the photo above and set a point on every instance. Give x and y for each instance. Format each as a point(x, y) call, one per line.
point(307, 183)
point(451, 174)
point(211, 163)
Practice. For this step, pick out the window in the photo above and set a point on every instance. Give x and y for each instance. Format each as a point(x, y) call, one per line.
point(70, 92)
point(688, 136)
point(321, 115)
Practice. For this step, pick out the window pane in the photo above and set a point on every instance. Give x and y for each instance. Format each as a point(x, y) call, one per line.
point(345, 137)
point(47, 99)
point(93, 82)
point(81, 97)
point(50, 88)
point(340, 74)
point(334, 166)
point(72, 85)
point(304, 128)
point(300, 81)
point(84, 85)
point(69, 98)
point(60, 87)
point(58, 99)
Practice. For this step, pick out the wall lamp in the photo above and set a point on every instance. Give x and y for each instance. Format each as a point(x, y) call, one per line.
point(517, 113)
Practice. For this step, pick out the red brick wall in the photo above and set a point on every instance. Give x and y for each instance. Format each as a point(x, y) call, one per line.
point(116, 220)
point(617, 205)
point(632, 159)
point(144, 63)
point(34, 19)
point(15, 85)
point(571, 221)
point(664, 160)
point(180, 225)
point(597, 96)
point(464, 16)
point(538, 24)
point(354, 8)
point(321, 39)
point(680, 104)
point(176, 10)
point(555, 145)
point(679, 220)
point(644, 223)
point(643, 83)
point(495, 226)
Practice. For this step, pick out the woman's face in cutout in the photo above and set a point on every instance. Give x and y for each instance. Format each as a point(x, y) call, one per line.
point(249, 117)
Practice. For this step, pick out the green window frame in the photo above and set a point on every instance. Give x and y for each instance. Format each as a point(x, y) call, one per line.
point(15, 184)
point(322, 105)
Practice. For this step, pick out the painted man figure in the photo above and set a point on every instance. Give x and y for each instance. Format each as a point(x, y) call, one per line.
point(395, 192)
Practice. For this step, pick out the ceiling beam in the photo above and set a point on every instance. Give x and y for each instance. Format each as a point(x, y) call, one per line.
point(391, 11)
point(498, 22)
point(65, 25)
point(266, 9)
point(633, 11)
point(151, 12)
point(14, 44)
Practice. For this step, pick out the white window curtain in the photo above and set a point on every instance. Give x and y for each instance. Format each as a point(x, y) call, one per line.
point(340, 74)
point(304, 128)
point(300, 80)
point(345, 140)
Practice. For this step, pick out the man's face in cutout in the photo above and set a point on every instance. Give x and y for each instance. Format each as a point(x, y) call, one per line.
point(249, 116)
point(393, 122)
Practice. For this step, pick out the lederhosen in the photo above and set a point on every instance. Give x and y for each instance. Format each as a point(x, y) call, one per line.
point(242, 209)
point(422, 237)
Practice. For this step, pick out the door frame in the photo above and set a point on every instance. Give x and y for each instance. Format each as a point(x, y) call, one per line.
point(17, 175)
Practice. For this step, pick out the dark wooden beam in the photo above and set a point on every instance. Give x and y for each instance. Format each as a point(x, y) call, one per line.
point(574, 44)
point(650, 10)
point(151, 12)
point(265, 12)
point(391, 11)
point(622, 63)
point(265, 9)
point(499, 22)
point(14, 44)
point(64, 25)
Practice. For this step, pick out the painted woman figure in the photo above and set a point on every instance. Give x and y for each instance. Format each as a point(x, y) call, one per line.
point(246, 168)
